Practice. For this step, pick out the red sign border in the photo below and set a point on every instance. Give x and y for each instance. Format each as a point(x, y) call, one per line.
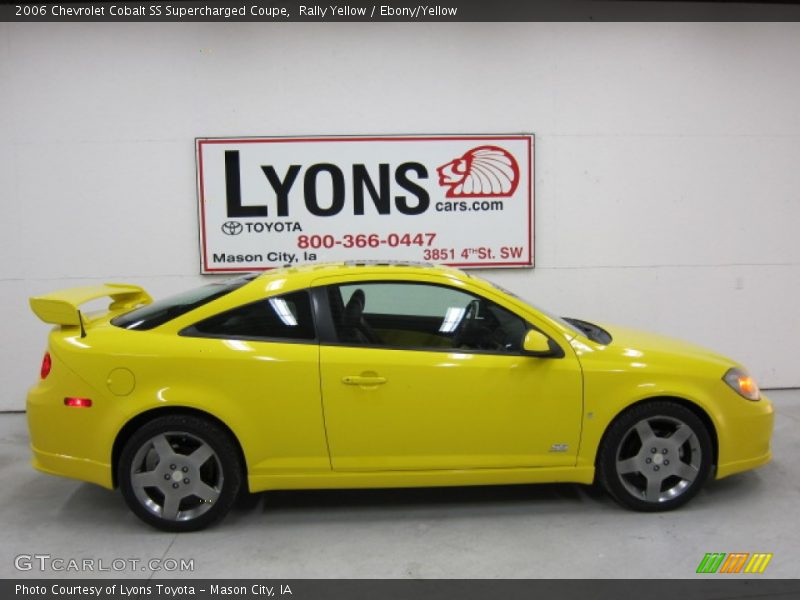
point(200, 141)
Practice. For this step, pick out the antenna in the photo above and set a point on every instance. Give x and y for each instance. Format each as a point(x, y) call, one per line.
point(80, 322)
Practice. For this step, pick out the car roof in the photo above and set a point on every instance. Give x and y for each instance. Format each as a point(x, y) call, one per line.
point(311, 271)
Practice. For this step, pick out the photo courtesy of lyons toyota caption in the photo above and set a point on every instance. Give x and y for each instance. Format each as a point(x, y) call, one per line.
point(359, 375)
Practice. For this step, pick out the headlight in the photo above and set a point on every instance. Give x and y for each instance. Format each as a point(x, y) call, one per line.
point(742, 384)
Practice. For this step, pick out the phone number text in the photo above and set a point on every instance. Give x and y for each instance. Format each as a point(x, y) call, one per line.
point(366, 240)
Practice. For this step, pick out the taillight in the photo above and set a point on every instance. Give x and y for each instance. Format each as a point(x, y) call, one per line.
point(47, 364)
point(78, 402)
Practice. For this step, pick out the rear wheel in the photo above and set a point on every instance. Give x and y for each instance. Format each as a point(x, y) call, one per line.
point(656, 456)
point(180, 473)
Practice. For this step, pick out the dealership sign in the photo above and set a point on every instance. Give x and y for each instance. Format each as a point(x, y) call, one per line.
point(461, 200)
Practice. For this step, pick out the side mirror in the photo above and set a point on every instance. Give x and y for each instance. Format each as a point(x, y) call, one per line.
point(538, 344)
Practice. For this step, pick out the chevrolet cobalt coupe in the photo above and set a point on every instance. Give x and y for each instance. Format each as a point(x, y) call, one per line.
point(362, 375)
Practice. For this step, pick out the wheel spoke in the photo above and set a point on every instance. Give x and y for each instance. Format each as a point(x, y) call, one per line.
point(629, 465)
point(200, 456)
point(687, 472)
point(653, 488)
point(645, 432)
point(146, 479)
point(680, 435)
point(172, 501)
point(206, 492)
point(162, 447)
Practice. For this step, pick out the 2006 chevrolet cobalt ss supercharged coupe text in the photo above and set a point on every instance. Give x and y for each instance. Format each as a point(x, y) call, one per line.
point(374, 375)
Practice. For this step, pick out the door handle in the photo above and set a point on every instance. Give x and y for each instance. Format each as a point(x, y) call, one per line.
point(363, 380)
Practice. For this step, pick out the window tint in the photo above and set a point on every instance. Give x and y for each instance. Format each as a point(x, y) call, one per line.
point(409, 299)
point(158, 313)
point(564, 322)
point(285, 317)
point(421, 316)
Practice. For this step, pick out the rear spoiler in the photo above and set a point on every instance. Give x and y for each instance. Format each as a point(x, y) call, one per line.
point(61, 308)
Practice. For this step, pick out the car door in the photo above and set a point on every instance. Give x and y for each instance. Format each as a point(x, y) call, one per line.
point(422, 376)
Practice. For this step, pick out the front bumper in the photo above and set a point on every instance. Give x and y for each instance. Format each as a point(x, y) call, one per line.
point(744, 436)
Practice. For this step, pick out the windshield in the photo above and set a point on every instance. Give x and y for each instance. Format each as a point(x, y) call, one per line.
point(158, 313)
point(560, 320)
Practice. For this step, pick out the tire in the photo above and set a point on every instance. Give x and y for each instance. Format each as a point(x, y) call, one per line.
point(655, 456)
point(180, 473)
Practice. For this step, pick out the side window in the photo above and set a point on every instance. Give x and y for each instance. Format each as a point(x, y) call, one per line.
point(285, 317)
point(422, 316)
point(161, 311)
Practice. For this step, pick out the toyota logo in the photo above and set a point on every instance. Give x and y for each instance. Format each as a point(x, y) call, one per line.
point(232, 228)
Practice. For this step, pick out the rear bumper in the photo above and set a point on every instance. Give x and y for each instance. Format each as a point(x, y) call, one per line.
point(70, 442)
point(73, 467)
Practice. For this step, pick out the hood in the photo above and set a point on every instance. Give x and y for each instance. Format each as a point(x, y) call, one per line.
point(645, 347)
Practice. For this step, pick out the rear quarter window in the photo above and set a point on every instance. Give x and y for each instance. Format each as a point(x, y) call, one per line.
point(162, 311)
point(287, 317)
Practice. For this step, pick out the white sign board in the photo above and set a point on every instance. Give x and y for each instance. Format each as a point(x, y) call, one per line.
point(461, 200)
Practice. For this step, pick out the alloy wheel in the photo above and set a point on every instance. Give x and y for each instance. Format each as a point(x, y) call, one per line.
point(176, 476)
point(658, 459)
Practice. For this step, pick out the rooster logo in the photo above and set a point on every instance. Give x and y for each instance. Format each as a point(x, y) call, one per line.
point(485, 171)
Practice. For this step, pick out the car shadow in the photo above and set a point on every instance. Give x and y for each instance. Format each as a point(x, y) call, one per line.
point(360, 504)
point(85, 503)
point(742, 487)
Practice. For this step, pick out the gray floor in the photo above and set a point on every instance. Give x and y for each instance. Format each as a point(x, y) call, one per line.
point(517, 531)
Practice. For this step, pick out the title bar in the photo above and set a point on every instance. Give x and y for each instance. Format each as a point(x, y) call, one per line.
point(402, 10)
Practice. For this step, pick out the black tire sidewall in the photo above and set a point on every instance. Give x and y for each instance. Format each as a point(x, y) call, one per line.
point(210, 433)
point(606, 463)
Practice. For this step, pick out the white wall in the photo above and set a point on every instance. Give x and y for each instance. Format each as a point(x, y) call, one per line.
point(667, 158)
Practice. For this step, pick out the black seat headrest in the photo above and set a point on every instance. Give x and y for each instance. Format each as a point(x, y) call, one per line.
point(354, 308)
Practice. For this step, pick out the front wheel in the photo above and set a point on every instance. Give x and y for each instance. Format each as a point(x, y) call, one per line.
point(656, 456)
point(180, 473)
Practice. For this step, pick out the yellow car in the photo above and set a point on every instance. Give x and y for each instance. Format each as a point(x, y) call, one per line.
point(358, 375)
